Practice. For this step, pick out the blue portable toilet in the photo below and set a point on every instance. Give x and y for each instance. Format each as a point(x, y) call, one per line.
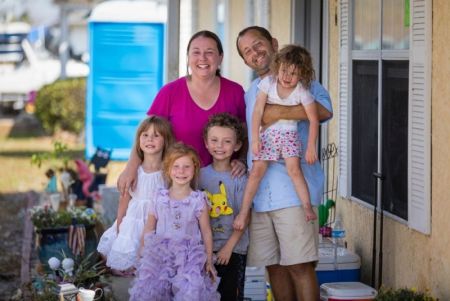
point(126, 41)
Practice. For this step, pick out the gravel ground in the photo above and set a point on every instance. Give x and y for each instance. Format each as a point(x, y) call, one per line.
point(12, 214)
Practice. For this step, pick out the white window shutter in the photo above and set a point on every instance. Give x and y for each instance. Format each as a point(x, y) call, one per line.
point(419, 127)
point(344, 99)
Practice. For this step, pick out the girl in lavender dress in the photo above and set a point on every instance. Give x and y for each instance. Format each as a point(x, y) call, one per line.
point(176, 261)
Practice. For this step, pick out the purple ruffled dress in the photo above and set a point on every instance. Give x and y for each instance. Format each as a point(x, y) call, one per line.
point(173, 258)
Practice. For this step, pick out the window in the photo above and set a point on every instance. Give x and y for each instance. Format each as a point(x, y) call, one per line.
point(380, 84)
point(384, 104)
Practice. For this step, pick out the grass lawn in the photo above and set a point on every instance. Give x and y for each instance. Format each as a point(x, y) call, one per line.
point(18, 175)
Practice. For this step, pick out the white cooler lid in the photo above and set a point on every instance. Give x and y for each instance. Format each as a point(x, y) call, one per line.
point(348, 289)
point(255, 271)
point(326, 255)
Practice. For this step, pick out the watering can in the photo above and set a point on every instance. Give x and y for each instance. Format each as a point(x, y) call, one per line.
point(324, 211)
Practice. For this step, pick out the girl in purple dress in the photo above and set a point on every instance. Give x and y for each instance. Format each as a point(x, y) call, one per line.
point(176, 261)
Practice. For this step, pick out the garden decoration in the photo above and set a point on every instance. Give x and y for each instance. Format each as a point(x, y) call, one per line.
point(51, 185)
point(77, 237)
point(66, 275)
point(328, 204)
point(85, 176)
point(324, 212)
point(58, 159)
point(71, 231)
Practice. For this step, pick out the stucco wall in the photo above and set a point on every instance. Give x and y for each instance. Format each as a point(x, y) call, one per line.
point(411, 259)
point(333, 69)
point(440, 255)
point(279, 26)
point(280, 21)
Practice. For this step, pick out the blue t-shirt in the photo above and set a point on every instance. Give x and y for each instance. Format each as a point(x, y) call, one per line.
point(276, 190)
point(229, 201)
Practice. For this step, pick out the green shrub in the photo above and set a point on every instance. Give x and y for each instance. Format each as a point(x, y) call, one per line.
point(402, 294)
point(61, 105)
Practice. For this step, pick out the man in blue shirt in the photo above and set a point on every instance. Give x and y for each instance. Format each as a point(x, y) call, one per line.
point(280, 238)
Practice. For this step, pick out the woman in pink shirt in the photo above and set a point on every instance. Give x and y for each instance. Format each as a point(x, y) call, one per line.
point(189, 101)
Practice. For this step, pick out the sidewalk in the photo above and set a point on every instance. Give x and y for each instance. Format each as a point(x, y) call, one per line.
point(120, 286)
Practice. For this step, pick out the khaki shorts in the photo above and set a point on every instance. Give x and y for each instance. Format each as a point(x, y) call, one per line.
point(282, 237)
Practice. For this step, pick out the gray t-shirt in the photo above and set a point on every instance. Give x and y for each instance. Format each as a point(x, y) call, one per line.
point(225, 195)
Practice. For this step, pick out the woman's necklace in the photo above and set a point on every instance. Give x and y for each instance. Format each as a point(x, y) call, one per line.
point(206, 95)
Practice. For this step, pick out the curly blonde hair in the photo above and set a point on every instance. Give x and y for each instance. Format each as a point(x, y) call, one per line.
point(227, 121)
point(299, 57)
point(176, 151)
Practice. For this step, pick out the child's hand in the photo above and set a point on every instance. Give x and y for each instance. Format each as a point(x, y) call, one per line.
point(311, 155)
point(310, 214)
point(211, 270)
point(241, 221)
point(223, 256)
point(256, 146)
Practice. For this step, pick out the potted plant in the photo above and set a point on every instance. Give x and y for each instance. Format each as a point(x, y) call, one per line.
point(71, 231)
point(79, 271)
point(403, 294)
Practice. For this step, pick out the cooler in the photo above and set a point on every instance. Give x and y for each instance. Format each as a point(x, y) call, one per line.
point(348, 291)
point(337, 264)
point(255, 284)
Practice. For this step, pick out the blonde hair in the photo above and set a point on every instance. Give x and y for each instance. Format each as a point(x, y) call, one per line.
point(161, 126)
point(297, 56)
point(175, 152)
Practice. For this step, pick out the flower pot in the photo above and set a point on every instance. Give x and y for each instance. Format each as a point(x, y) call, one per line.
point(54, 241)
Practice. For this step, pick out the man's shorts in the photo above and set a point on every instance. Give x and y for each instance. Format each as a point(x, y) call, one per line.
point(282, 237)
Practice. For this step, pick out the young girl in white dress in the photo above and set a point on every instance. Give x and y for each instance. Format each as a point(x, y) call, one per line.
point(120, 243)
point(292, 73)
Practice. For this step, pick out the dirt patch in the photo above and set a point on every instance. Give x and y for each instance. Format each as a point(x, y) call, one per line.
point(12, 214)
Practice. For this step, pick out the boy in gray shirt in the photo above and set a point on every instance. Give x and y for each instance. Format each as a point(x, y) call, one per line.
point(224, 135)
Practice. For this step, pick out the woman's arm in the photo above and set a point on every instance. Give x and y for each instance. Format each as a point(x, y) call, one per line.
point(127, 179)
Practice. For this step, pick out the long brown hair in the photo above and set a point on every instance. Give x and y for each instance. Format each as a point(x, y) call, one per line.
point(297, 56)
point(160, 125)
point(175, 152)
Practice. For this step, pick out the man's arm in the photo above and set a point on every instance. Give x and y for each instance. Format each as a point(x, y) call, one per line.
point(273, 113)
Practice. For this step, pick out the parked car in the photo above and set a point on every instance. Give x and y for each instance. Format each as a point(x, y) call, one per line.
point(26, 67)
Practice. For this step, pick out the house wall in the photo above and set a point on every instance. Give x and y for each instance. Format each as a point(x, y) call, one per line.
point(333, 70)
point(440, 256)
point(279, 26)
point(410, 259)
